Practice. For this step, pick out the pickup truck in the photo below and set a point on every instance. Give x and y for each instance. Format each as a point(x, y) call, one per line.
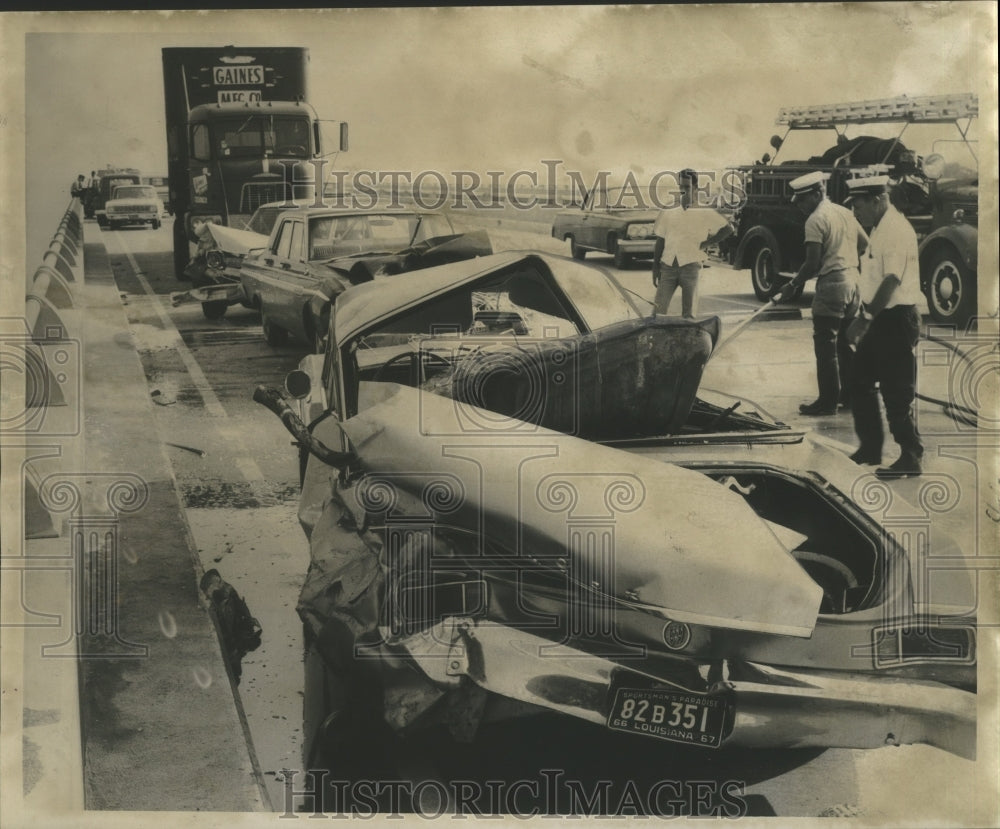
point(608, 221)
point(132, 204)
point(103, 188)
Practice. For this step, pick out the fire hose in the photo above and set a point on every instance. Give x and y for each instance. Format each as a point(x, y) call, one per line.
point(955, 411)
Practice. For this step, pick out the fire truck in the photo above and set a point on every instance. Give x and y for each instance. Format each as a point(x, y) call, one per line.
point(938, 193)
point(240, 134)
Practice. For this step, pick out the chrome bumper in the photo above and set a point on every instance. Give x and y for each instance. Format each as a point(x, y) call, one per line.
point(215, 293)
point(773, 708)
point(638, 246)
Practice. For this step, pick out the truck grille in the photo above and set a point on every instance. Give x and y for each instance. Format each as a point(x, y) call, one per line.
point(254, 194)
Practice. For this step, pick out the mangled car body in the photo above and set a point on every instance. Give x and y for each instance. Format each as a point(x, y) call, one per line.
point(520, 501)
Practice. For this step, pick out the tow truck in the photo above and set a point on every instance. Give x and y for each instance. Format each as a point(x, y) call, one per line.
point(937, 192)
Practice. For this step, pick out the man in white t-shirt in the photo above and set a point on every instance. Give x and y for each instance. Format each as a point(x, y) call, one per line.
point(886, 331)
point(682, 234)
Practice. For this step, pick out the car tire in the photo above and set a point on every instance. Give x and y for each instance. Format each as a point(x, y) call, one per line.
point(622, 259)
point(155, 224)
point(764, 273)
point(951, 288)
point(274, 335)
point(575, 250)
point(215, 309)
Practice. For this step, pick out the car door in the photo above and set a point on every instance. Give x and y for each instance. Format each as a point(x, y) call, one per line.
point(587, 235)
point(268, 275)
point(296, 280)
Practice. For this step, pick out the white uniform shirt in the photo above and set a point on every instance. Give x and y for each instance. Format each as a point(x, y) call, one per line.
point(836, 230)
point(892, 248)
point(684, 230)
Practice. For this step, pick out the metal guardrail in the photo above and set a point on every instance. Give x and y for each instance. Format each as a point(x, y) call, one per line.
point(51, 375)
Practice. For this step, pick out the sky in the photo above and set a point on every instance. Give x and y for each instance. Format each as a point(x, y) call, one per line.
point(633, 88)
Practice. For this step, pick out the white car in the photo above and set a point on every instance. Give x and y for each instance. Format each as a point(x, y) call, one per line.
point(133, 204)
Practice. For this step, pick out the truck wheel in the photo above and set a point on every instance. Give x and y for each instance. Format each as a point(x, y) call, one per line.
point(274, 335)
point(763, 272)
point(622, 259)
point(951, 288)
point(215, 309)
point(575, 250)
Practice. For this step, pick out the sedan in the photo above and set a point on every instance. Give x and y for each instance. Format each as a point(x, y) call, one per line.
point(313, 254)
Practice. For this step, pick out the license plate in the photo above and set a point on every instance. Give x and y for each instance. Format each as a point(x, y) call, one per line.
point(677, 716)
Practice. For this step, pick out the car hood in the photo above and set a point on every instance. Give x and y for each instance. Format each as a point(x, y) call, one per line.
point(237, 242)
point(632, 214)
point(645, 532)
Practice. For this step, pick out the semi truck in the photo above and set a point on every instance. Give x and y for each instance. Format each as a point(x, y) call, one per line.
point(936, 191)
point(240, 133)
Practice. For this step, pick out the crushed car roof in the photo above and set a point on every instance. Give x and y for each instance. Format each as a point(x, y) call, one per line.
point(361, 305)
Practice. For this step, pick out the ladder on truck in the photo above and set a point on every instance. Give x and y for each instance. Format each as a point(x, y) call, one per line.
point(928, 109)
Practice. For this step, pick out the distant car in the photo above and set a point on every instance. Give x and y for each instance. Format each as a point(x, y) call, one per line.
point(609, 221)
point(132, 204)
point(102, 188)
point(313, 254)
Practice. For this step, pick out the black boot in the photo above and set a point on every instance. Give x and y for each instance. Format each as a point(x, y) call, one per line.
point(867, 457)
point(906, 466)
point(817, 408)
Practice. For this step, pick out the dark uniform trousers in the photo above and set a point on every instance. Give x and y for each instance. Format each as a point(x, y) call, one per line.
point(835, 305)
point(886, 362)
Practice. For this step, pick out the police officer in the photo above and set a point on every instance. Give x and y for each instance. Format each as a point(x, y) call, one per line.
point(834, 241)
point(887, 330)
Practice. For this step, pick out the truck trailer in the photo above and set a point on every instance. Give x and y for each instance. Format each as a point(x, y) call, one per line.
point(240, 134)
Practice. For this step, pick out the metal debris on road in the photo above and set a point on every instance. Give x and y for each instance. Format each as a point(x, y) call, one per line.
point(200, 452)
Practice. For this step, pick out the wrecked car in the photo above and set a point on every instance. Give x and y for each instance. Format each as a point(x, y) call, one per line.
point(520, 502)
point(214, 270)
point(313, 254)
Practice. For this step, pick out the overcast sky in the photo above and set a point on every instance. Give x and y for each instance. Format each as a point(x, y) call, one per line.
point(616, 88)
